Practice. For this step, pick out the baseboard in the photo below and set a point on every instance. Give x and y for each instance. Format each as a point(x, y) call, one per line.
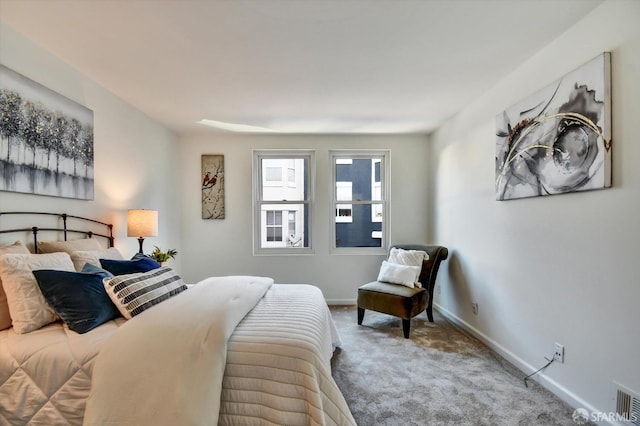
point(341, 302)
point(556, 388)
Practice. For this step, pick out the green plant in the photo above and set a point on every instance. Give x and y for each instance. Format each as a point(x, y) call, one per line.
point(162, 256)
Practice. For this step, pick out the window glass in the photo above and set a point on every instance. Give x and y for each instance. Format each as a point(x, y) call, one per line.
point(275, 189)
point(272, 174)
point(282, 206)
point(343, 193)
point(360, 178)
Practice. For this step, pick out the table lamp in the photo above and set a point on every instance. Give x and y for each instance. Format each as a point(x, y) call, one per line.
point(142, 223)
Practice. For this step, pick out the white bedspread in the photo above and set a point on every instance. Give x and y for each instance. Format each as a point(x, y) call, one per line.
point(279, 363)
point(165, 366)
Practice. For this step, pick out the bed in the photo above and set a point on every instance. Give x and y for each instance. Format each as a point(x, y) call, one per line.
point(226, 350)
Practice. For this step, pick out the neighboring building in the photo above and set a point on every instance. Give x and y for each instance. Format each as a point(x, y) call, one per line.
point(358, 225)
point(283, 225)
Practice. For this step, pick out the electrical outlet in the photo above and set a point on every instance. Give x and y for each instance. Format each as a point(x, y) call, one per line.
point(474, 308)
point(558, 352)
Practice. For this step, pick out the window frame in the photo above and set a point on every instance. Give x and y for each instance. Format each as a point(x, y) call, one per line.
point(385, 189)
point(258, 201)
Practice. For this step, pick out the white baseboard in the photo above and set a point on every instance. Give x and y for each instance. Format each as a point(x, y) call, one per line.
point(341, 301)
point(556, 388)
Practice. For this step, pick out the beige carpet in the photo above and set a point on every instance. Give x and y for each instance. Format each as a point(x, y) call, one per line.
point(440, 376)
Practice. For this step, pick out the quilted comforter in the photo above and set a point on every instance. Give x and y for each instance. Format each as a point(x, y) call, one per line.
point(277, 369)
point(45, 375)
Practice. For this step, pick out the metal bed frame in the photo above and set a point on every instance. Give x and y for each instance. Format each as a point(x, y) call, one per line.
point(64, 229)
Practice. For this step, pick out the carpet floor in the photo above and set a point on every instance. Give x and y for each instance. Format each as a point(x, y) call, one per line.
point(440, 376)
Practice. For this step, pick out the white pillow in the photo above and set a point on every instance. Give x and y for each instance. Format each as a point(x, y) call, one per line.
point(398, 274)
point(68, 246)
point(28, 308)
point(407, 257)
point(80, 258)
point(134, 293)
point(5, 317)
point(410, 258)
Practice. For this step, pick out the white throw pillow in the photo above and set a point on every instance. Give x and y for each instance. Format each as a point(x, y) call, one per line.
point(5, 317)
point(399, 274)
point(134, 293)
point(68, 246)
point(80, 258)
point(28, 308)
point(407, 257)
point(410, 258)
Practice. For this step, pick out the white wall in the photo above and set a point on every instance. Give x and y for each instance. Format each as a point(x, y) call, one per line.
point(134, 156)
point(224, 247)
point(551, 269)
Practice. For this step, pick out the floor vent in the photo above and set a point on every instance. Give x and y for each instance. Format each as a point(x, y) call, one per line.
point(626, 404)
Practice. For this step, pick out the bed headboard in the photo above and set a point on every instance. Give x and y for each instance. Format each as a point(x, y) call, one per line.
point(77, 225)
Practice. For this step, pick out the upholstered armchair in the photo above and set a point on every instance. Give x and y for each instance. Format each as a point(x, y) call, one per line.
point(401, 301)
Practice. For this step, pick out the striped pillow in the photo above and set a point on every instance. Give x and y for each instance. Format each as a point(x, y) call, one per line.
point(134, 293)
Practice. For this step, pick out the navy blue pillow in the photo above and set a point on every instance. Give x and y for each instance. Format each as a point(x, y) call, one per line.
point(89, 267)
point(79, 298)
point(138, 263)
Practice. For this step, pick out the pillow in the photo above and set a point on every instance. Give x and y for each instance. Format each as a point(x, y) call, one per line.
point(28, 308)
point(5, 318)
point(134, 293)
point(82, 257)
point(408, 257)
point(138, 263)
point(398, 274)
point(68, 246)
point(88, 267)
point(78, 298)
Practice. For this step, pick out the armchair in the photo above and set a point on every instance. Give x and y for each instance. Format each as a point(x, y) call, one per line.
point(401, 301)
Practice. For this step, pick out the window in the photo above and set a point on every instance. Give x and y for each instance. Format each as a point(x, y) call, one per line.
point(344, 212)
point(360, 201)
point(291, 172)
point(272, 173)
point(274, 225)
point(283, 194)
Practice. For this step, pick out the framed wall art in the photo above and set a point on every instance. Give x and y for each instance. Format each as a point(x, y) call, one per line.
point(212, 179)
point(559, 139)
point(46, 140)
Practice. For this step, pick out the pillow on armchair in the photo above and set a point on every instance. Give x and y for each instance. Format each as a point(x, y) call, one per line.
point(408, 258)
point(395, 273)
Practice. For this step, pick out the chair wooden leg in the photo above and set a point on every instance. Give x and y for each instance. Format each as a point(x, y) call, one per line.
point(430, 314)
point(406, 327)
point(360, 315)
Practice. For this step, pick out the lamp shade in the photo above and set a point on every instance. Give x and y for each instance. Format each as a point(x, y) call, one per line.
point(142, 223)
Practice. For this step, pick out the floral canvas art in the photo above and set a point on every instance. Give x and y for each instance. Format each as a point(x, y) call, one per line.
point(559, 139)
point(46, 140)
point(212, 179)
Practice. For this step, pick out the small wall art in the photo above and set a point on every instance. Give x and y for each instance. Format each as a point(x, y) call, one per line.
point(46, 140)
point(559, 139)
point(212, 180)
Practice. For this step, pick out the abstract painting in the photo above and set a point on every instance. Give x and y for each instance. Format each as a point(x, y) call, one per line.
point(212, 179)
point(46, 140)
point(559, 139)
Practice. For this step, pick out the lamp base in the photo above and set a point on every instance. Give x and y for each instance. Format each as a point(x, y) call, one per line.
point(140, 240)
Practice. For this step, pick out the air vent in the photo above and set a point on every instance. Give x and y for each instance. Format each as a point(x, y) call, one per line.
point(626, 404)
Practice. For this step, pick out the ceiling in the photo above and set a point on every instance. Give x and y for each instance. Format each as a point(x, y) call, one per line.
point(296, 66)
